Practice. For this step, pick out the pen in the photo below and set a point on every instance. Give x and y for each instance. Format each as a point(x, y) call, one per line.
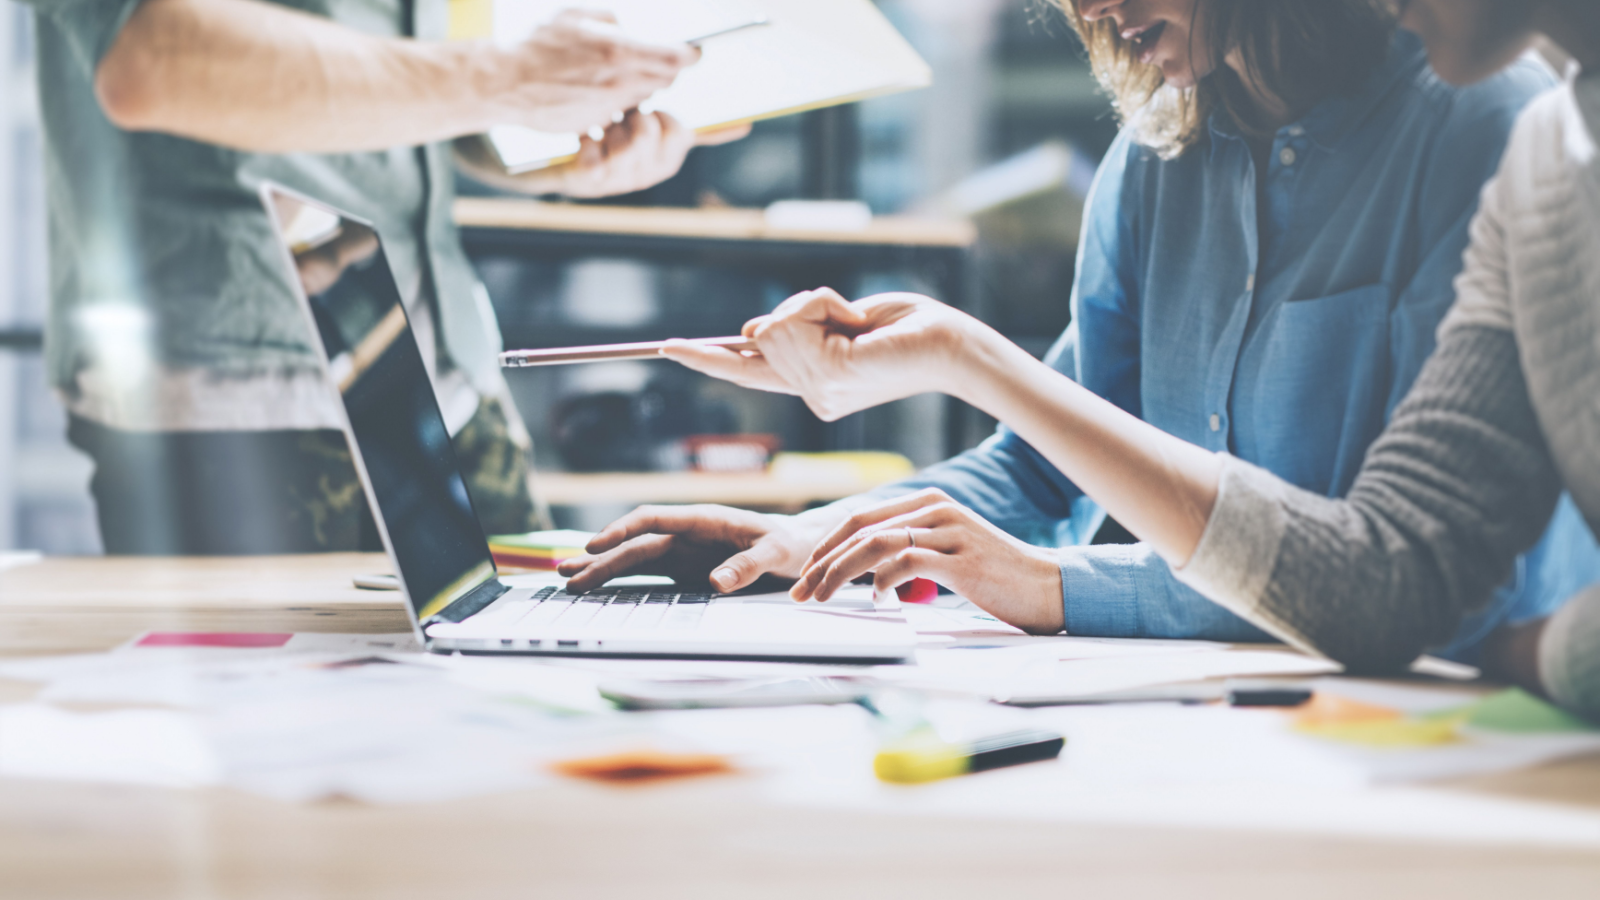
point(923, 757)
point(559, 356)
point(753, 23)
point(1244, 694)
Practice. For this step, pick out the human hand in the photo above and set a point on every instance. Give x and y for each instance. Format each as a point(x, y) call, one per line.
point(928, 535)
point(728, 547)
point(843, 357)
point(641, 151)
point(579, 70)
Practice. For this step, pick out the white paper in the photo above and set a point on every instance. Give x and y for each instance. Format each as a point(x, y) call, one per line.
point(151, 747)
point(12, 559)
point(1087, 677)
point(1185, 767)
point(810, 52)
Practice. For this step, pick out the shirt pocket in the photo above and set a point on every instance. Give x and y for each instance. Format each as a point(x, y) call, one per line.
point(1321, 387)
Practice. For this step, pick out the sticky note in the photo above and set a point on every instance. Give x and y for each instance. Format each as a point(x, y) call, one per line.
point(1516, 711)
point(1390, 733)
point(636, 766)
point(246, 639)
point(1325, 708)
point(1336, 718)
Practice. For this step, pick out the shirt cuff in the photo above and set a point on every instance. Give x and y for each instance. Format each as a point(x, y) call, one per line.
point(1569, 654)
point(1238, 551)
point(1100, 596)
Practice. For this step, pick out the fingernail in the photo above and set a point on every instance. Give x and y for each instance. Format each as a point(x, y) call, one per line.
point(723, 578)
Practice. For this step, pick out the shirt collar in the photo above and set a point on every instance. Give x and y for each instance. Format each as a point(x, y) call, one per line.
point(1329, 121)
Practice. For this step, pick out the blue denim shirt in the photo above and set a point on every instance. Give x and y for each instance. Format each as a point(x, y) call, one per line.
point(1286, 342)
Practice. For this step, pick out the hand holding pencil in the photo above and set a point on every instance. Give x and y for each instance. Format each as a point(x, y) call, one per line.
point(566, 356)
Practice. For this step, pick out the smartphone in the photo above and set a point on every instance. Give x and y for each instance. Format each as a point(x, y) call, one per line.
point(376, 582)
point(730, 693)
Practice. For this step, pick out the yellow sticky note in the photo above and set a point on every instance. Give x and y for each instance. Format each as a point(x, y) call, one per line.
point(1336, 718)
point(1394, 733)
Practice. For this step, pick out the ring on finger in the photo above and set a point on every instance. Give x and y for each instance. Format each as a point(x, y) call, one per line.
point(911, 538)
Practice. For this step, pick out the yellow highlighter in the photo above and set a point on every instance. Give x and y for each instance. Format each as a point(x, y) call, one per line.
point(923, 757)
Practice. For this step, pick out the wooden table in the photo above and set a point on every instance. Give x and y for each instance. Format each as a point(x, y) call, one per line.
point(709, 838)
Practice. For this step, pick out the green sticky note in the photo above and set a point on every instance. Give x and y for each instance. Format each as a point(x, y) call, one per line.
point(1516, 711)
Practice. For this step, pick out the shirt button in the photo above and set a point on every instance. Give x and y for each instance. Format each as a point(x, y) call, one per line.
point(1287, 156)
point(1216, 422)
point(1296, 130)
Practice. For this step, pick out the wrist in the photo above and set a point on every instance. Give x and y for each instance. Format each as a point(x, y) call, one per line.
point(479, 78)
point(979, 360)
point(1051, 604)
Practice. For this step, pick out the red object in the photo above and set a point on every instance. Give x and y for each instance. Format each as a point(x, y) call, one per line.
point(212, 639)
point(917, 590)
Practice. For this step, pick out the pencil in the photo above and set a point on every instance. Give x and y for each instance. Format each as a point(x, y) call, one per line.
point(564, 356)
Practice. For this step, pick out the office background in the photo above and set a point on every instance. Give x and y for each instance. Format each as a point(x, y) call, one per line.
point(1010, 86)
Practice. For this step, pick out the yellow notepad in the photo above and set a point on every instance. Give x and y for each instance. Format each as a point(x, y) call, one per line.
point(810, 54)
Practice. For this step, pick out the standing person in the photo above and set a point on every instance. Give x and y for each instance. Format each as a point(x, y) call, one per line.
point(1266, 251)
point(1503, 417)
point(173, 336)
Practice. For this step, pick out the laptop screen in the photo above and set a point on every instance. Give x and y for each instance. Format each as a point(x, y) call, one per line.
point(400, 440)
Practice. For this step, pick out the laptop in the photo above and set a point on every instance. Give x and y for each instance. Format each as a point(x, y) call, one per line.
point(454, 594)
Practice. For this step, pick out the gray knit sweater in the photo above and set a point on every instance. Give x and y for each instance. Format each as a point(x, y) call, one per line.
point(1503, 417)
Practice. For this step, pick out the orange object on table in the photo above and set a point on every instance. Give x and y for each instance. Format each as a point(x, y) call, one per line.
point(638, 766)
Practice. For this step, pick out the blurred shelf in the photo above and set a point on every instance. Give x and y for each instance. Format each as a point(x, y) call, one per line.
point(753, 490)
point(701, 224)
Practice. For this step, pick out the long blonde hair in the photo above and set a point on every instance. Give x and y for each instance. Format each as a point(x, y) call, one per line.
point(1302, 50)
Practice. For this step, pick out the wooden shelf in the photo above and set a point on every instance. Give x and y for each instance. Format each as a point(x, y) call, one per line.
point(702, 224)
point(754, 490)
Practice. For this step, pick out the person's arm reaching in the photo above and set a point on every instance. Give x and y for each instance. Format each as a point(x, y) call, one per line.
point(842, 357)
point(260, 77)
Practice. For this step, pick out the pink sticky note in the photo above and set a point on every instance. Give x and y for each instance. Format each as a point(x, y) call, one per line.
point(212, 639)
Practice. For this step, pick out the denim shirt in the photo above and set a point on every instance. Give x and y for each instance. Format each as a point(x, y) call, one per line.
point(174, 228)
point(1286, 342)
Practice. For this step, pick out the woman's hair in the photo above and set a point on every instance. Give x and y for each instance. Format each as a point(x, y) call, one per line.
point(1301, 50)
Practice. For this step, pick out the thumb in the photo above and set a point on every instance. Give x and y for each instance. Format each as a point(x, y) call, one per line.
point(829, 308)
point(742, 569)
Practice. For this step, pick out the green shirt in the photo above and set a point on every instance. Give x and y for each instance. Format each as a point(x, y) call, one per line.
point(162, 259)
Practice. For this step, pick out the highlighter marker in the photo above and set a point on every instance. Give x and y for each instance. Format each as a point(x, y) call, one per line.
point(923, 757)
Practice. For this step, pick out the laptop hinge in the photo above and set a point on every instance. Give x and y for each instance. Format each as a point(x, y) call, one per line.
point(471, 603)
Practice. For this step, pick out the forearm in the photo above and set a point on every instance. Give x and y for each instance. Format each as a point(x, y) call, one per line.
point(1159, 487)
point(263, 78)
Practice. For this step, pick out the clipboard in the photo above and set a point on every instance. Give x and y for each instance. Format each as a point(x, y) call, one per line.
point(808, 54)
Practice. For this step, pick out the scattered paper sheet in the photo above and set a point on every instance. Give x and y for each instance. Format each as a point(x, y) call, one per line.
point(366, 717)
point(11, 559)
point(150, 747)
point(1086, 677)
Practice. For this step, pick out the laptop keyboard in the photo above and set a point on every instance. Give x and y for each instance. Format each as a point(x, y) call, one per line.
point(620, 609)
